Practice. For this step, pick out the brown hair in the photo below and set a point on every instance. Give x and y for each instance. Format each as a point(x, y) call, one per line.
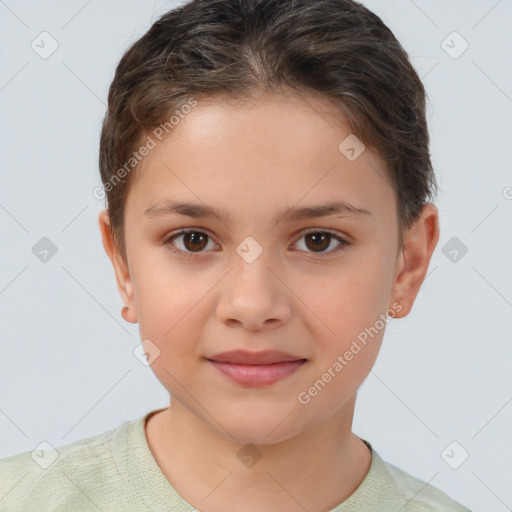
point(239, 49)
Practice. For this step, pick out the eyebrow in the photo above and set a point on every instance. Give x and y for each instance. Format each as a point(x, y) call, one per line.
point(197, 210)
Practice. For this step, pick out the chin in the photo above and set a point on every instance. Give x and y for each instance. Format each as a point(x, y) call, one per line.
point(255, 429)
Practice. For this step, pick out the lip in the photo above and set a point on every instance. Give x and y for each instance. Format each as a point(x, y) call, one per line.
point(256, 369)
point(244, 357)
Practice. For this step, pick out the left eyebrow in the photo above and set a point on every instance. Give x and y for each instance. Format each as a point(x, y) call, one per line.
point(198, 210)
point(342, 208)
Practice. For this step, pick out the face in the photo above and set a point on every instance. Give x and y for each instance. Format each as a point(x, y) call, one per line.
point(265, 275)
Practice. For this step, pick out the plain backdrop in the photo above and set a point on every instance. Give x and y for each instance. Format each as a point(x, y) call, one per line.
point(441, 389)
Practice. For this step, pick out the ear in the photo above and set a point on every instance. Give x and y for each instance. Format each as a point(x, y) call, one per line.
point(414, 258)
point(124, 283)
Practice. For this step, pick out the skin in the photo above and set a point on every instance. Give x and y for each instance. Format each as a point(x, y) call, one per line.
point(253, 162)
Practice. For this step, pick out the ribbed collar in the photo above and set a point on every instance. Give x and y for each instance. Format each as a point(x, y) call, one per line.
point(134, 459)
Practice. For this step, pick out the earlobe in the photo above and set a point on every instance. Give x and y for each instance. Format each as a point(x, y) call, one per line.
point(414, 259)
point(124, 283)
point(129, 315)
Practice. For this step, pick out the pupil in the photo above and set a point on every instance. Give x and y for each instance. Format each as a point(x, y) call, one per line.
point(320, 239)
point(195, 237)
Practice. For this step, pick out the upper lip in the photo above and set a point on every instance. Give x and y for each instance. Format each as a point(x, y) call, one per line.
point(246, 357)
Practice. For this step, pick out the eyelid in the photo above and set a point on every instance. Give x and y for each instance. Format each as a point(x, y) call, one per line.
point(167, 241)
point(332, 232)
point(342, 240)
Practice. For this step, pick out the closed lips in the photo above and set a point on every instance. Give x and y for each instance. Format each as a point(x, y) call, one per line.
point(242, 357)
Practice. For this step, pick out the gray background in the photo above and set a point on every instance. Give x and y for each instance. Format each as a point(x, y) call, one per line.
point(67, 370)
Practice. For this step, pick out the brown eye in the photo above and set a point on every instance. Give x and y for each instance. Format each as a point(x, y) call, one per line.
point(195, 241)
point(318, 241)
point(188, 243)
point(192, 241)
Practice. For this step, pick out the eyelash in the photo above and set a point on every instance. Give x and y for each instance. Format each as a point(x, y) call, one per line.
point(187, 254)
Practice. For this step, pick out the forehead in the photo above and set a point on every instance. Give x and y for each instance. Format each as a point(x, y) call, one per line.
point(272, 152)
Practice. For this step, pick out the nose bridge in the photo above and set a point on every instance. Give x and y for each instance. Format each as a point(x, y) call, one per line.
point(252, 262)
point(252, 294)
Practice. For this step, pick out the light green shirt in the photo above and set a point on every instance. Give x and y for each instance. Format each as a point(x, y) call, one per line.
point(116, 471)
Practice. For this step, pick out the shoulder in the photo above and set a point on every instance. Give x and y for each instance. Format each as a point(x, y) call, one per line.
point(419, 496)
point(55, 478)
point(387, 488)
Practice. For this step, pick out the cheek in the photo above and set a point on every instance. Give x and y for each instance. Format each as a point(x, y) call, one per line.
point(164, 292)
point(353, 296)
point(338, 379)
point(172, 326)
point(166, 305)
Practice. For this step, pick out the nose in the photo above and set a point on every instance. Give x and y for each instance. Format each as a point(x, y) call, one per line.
point(253, 295)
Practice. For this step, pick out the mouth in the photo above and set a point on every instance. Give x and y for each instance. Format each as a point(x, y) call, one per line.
point(256, 368)
point(245, 357)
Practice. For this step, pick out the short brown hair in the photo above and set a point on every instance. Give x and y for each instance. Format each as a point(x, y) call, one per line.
point(239, 49)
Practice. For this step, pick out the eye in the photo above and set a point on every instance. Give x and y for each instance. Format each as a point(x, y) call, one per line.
point(321, 240)
point(194, 241)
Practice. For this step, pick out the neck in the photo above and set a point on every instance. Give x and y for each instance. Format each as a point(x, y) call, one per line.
point(315, 469)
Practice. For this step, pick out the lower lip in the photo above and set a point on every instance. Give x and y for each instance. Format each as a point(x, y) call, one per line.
point(258, 375)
